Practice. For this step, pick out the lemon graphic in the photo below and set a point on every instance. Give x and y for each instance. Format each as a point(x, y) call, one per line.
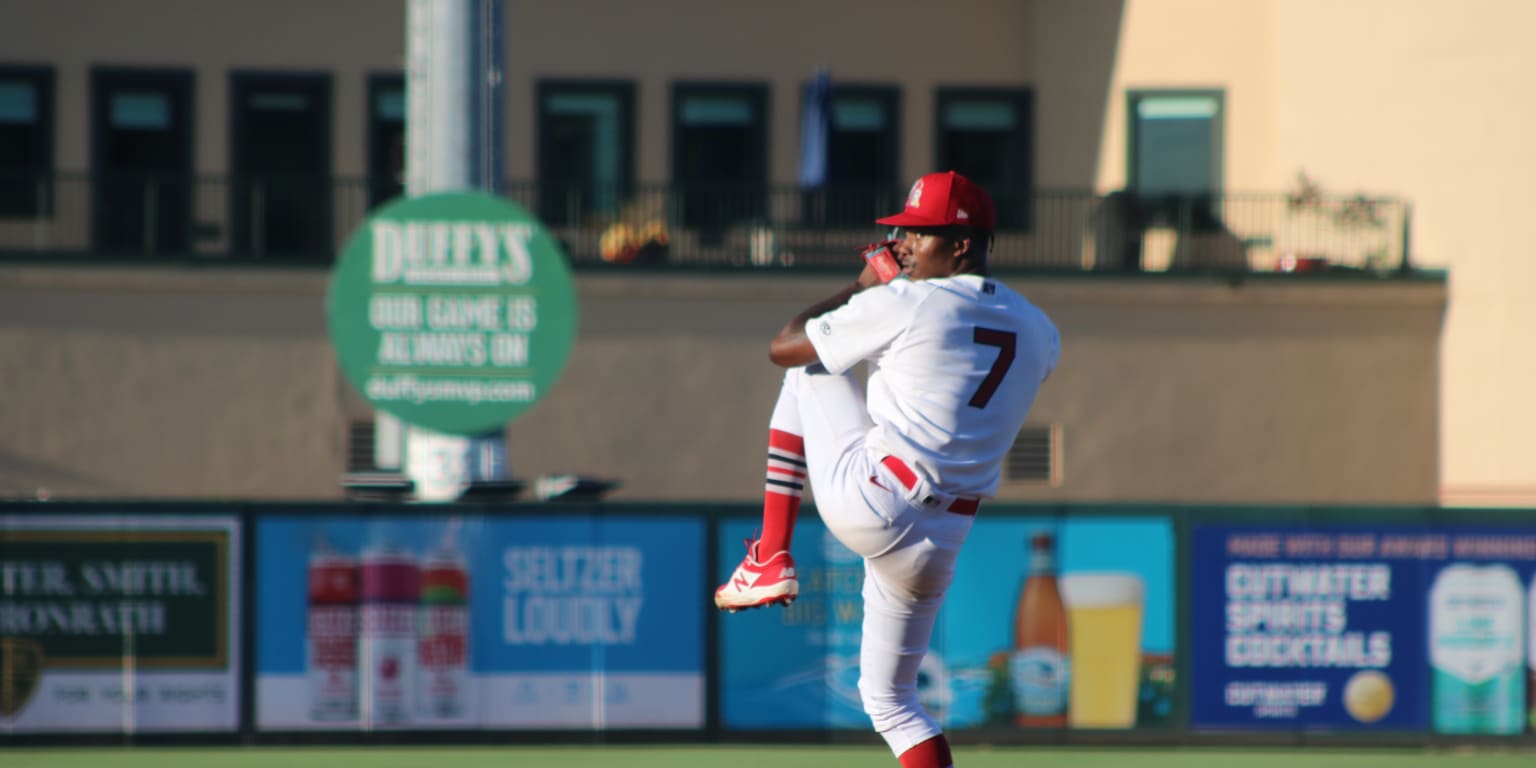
point(1368, 696)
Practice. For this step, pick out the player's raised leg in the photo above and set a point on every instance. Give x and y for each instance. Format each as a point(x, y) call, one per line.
point(767, 575)
point(818, 418)
point(783, 487)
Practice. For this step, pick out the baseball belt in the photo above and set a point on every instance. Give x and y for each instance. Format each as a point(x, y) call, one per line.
point(960, 505)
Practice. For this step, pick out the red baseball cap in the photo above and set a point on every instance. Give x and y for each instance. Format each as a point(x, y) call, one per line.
point(945, 200)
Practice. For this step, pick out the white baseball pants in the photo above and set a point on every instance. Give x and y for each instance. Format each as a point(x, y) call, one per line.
point(909, 548)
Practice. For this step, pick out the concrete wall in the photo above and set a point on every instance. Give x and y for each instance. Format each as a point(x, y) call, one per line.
point(158, 383)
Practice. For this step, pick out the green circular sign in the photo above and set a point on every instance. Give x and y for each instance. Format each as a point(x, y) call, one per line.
point(454, 312)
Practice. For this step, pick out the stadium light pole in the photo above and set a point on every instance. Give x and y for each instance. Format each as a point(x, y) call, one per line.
point(453, 133)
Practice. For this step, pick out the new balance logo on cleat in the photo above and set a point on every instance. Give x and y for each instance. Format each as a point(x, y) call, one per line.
point(755, 584)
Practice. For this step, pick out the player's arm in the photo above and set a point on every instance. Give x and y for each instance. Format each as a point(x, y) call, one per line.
point(791, 348)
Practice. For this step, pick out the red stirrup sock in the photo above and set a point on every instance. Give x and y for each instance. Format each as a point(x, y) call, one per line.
point(933, 753)
point(781, 497)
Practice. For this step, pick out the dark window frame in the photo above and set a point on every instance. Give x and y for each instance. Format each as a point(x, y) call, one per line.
point(1020, 215)
point(378, 84)
point(1172, 207)
point(758, 92)
point(753, 203)
point(108, 79)
point(625, 93)
point(240, 82)
point(104, 77)
point(885, 193)
point(41, 203)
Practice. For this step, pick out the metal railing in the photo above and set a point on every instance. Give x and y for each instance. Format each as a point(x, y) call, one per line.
point(307, 220)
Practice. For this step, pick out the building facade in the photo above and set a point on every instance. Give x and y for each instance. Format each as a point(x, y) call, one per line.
point(268, 130)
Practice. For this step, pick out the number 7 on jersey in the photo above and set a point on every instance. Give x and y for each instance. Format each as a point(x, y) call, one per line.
point(1005, 341)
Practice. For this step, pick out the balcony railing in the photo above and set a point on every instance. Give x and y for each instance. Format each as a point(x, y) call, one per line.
point(307, 220)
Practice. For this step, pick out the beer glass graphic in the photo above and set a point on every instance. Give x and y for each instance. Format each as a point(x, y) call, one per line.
point(1104, 612)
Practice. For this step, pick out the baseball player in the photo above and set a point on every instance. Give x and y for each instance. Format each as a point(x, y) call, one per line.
point(898, 471)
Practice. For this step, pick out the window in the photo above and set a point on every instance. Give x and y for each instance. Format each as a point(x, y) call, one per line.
point(719, 155)
point(26, 142)
point(586, 146)
point(280, 164)
point(1175, 155)
point(386, 138)
point(862, 148)
point(988, 135)
point(141, 127)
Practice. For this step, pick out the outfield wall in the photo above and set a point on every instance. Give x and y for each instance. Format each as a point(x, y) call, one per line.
point(146, 622)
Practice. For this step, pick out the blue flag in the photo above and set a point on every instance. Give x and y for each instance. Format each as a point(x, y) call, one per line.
point(815, 130)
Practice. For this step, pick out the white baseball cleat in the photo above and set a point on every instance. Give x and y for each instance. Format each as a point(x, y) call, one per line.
point(755, 584)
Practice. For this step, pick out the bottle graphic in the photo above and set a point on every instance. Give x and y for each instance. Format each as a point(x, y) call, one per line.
point(388, 641)
point(331, 637)
point(1040, 666)
point(442, 643)
point(1477, 649)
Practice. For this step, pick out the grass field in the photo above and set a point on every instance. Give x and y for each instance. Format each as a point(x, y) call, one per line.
point(618, 756)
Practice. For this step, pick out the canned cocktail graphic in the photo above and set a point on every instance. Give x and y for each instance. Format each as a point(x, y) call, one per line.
point(332, 630)
point(442, 690)
point(388, 642)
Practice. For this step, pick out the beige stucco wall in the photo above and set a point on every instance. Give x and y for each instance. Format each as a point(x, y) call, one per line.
point(222, 384)
point(1438, 109)
point(1421, 100)
point(1196, 44)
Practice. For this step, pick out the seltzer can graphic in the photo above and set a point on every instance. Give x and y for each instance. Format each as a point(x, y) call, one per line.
point(442, 690)
point(331, 638)
point(388, 642)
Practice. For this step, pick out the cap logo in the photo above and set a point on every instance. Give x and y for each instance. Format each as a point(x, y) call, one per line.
point(915, 197)
point(962, 215)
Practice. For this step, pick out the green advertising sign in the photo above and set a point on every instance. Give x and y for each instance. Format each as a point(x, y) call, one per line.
point(83, 596)
point(454, 312)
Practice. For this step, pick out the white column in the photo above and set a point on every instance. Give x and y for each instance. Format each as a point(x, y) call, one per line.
point(453, 133)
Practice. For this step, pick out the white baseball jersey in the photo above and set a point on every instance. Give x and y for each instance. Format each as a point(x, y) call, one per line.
point(956, 363)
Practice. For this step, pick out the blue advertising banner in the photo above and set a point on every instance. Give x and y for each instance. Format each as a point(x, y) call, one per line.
point(1352, 627)
point(431, 621)
point(1003, 652)
point(797, 666)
